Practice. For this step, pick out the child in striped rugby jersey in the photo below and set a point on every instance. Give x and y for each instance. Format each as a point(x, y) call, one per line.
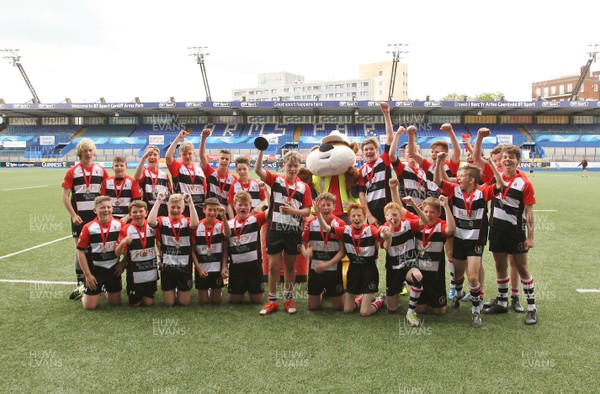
point(429, 291)
point(99, 237)
point(373, 188)
point(469, 207)
point(290, 203)
point(397, 238)
point(325, 255)
point(219, 180)
point(362, 248)
point(137, 241)
point(175, 247)
point(152, 179)
point(244, 271)
point(209, 254)
point(187, 176)
point(511, 234)
point(81, 186)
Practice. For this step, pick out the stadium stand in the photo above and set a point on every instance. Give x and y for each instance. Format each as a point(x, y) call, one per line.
point(564, 129)
point(107, 131)
point(559, 142)
point(562, 142)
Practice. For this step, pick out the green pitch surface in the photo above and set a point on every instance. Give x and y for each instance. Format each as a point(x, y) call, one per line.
point(50, 344)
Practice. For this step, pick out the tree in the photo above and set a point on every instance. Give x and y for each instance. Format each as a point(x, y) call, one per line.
point(455, 97)
point(498, 96)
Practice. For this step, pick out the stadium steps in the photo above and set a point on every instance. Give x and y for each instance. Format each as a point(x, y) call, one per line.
point(526, 134)
point(297, 133)
point(78, 133)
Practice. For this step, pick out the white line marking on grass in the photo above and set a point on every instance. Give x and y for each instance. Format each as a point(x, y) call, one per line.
point(34, 247)
point(23, 188)
point(44, 282)
point(588, 290)
point(545, 210)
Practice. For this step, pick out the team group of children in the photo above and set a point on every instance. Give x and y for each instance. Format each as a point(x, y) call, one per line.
point(206, 226)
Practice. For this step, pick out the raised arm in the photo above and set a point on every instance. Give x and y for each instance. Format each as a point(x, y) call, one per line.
point(326, 227)
point(447, 128)
point(153, 215)
point(409, 201)
point(389, 129)
point(478, 159)
point(202, 152)
point(262, 174)
point(230, 213)
point(386, 234)
point(450, 223)
point(170, 154)
point(226, 228)
point(412, 145)
point(468, 146)
point(394, 191)
point(140, 167)
point(263, 203)
point(497, 175)
point(439, 169)
point(394, 144)
point(194, 220)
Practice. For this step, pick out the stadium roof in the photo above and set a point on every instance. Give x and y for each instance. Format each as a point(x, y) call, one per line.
point(285, 108)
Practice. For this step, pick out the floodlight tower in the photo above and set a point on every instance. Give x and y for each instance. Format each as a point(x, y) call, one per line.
point(198, 53)
point(14, 58)
point(594, 51)
point(396, 51)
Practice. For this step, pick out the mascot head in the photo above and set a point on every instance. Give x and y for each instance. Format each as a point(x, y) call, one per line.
point(334, 157)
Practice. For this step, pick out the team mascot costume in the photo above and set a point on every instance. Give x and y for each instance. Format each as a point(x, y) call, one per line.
point(332, 168)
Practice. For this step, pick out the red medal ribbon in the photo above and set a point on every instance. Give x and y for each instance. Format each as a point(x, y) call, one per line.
point(222, 185)
point(468, 205)
point(192, 172)
point(245, 188)
point(176, 234)
point(142, 235)
point(357, 244)
point(104, 235)
point(420, 176)
point(371, 173)
point(118, 195)
point(505, 192)
point(152, 179)
point(208, 233)
point(88, 181)
point(238, 235)
point(325, 235)
point(424, 238)
point(287, 191)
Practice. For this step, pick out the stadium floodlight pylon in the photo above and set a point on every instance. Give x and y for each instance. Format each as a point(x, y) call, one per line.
point(593, 53)
point(198, 53)
point(14, 58)
point(397, 50)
